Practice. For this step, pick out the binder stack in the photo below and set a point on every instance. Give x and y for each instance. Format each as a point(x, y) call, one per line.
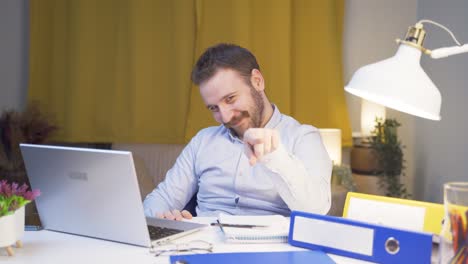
point(360, 240)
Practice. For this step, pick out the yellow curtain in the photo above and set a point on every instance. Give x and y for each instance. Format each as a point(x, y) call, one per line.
point(118, 71)
point(113, 70)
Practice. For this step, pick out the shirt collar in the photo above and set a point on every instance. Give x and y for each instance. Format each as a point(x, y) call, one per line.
point(275, 119)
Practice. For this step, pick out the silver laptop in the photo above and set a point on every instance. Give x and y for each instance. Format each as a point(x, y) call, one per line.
point(95, 193)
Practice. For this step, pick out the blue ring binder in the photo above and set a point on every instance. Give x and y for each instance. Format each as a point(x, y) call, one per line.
point(359, 240)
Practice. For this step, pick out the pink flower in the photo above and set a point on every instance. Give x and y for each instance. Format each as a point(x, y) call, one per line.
point(22, 190)
point(5, 189)
point(8, 190)
point(31, 195)
point(13, 197)
point(14, 188)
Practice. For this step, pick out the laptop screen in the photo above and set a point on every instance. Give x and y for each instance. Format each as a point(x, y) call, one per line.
point(87, 192)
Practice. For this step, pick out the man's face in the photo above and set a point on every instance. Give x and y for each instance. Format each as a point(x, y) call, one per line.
point(232, 101)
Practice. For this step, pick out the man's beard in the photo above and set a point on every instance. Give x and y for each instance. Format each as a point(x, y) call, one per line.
point(255, 113)
point(257, 109)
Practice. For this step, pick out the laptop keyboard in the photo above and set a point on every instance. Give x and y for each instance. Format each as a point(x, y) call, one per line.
point(157, 232)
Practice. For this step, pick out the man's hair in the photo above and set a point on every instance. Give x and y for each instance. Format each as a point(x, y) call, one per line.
point(224, 56)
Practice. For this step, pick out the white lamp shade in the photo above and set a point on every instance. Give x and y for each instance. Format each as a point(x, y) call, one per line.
point(369, 112)
point(399, 83)
point(331, 138)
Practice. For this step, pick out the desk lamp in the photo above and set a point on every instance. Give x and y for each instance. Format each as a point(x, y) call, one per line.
point(331, 138)
point(399, 82)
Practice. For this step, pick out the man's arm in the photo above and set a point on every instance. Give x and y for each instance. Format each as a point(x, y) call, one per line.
point(302, 177)
point(178, 187)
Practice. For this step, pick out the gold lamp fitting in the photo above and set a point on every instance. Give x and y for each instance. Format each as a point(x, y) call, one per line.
point(415, 38)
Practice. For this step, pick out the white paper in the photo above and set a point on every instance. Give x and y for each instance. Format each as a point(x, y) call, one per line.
point(388, 214)
point(345, 237)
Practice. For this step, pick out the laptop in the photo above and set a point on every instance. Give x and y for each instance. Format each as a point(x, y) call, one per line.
point(95, 193)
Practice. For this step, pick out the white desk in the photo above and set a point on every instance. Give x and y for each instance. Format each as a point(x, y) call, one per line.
point(53, 247)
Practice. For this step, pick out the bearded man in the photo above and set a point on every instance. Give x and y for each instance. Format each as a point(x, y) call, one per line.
point(257, 161)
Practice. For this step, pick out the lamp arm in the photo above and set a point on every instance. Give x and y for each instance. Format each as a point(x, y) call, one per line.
point(448, 51)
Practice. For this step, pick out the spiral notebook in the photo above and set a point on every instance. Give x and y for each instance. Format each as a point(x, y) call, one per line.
point(275, 228)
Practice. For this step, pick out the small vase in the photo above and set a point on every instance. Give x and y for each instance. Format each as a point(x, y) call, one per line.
point(19, 222)
point(8, 232)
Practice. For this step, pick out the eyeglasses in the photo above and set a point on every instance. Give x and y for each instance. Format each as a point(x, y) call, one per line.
point(196, 246)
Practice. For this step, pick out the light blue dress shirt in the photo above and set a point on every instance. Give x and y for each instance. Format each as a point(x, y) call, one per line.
point(296, 176)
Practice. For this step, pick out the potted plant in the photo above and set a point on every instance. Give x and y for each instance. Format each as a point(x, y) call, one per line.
point(28, 126)
point(342, 175)
point(388, 149)
point(13, 199)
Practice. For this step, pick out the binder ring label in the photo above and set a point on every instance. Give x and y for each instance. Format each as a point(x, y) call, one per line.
point(392, 246)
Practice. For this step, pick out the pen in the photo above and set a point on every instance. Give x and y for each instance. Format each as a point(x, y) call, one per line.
point(220, 226)
point(236, 225)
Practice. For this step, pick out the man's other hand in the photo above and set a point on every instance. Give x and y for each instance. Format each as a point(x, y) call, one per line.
point(175, 215)
point(259, 142)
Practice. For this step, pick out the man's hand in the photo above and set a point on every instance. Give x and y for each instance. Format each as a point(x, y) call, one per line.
point(259, 142)
point(175, 215)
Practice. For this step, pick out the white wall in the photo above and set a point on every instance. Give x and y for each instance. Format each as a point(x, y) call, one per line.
point(442, 147)
point(371, 27)
point(14, 41)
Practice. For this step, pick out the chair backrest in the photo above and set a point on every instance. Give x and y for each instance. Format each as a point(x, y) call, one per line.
point(152, 161)
point(394, 212)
